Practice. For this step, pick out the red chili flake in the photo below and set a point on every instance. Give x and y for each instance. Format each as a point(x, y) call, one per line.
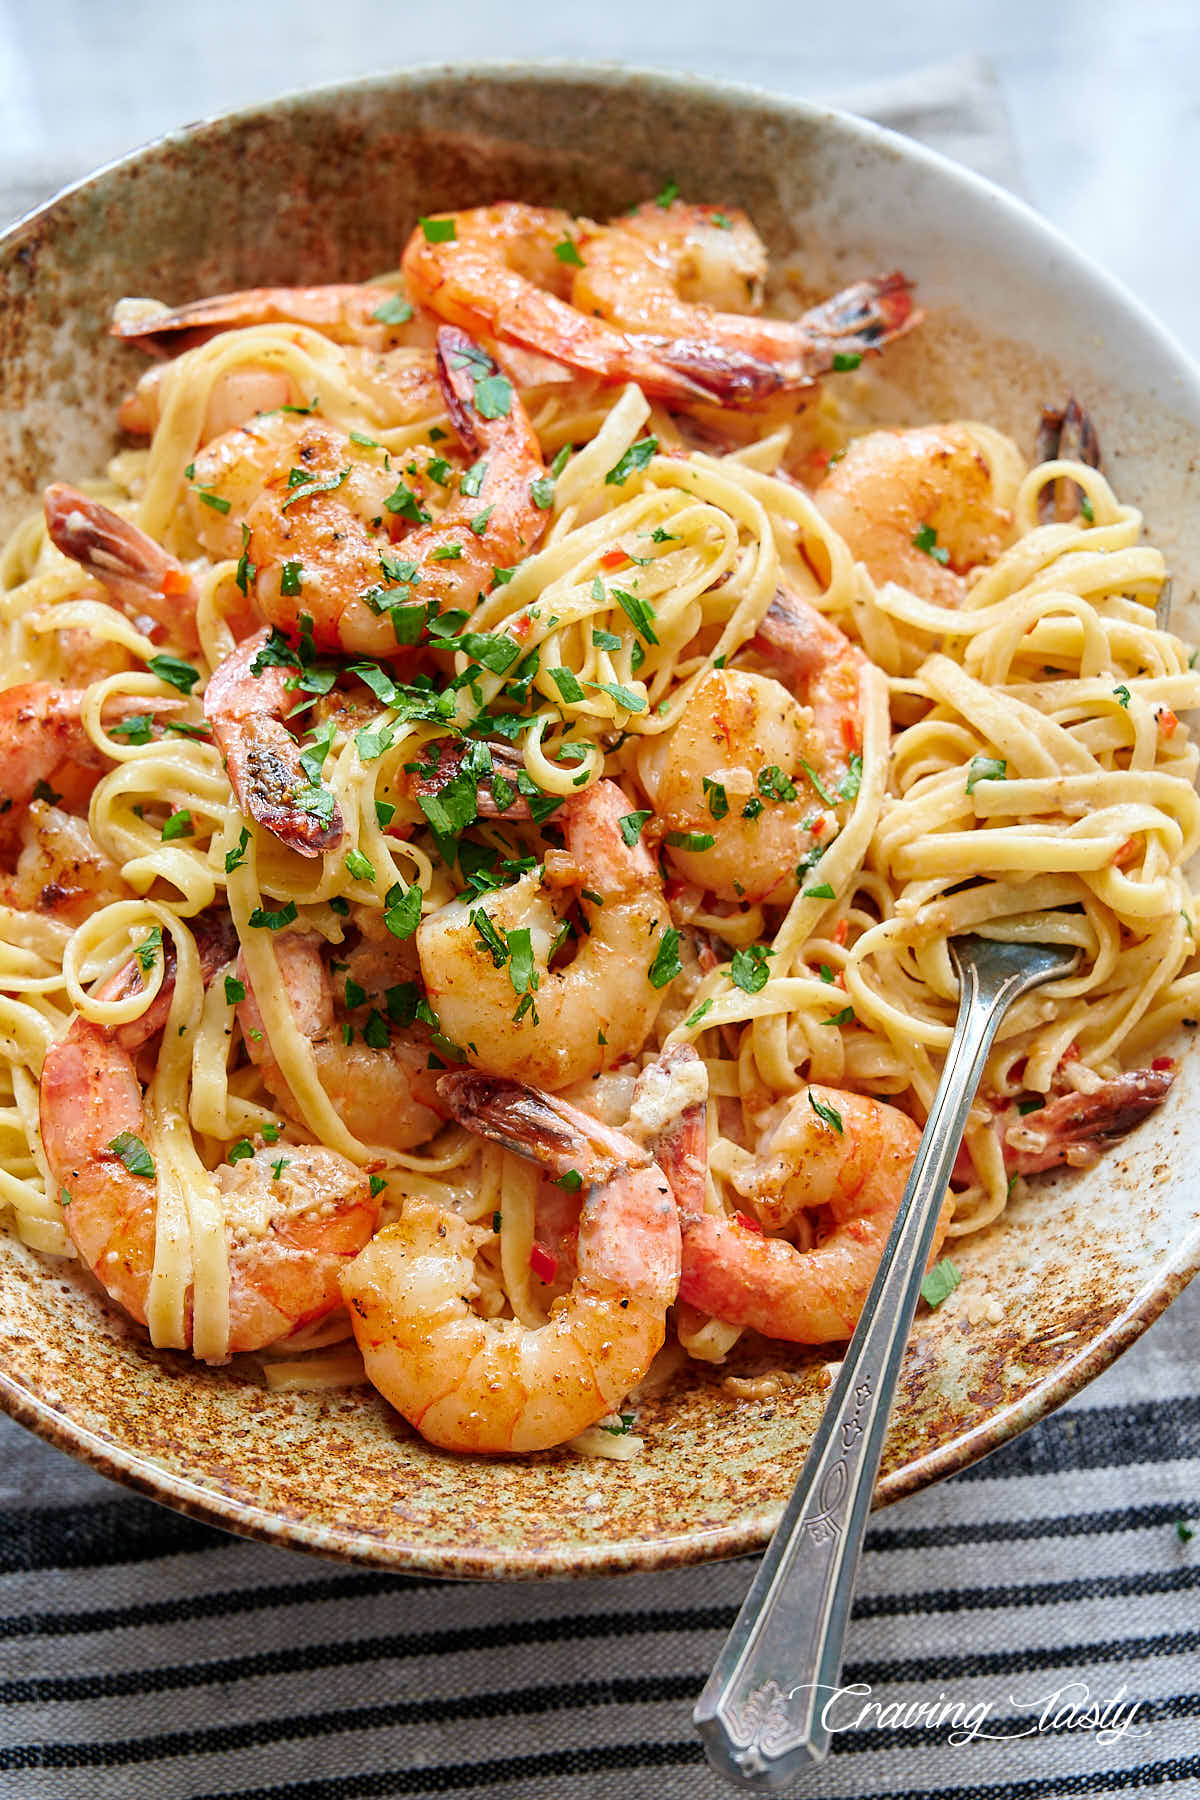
point(1125, 854)
point(839, 931)
point(543, 1262)
point(176, 581)
point(614, 559)
point(850, 736)
point(818, 826)
point(749, 1223)
point(521, 626)
point(1163, 1062)
point(816, 462)
point(1167, 721)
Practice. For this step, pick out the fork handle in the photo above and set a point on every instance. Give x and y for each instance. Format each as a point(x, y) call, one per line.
point(763, 1712)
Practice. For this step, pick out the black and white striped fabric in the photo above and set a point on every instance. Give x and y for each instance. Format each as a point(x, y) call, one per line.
point(144, 1657)
point(1044, 1606)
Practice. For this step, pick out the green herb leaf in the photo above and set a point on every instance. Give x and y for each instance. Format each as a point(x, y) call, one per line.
point(667, 194)
point(829, 1115)
point(325, 484)
point(289, 578)
point(845, 1017)
point(175, 673)
point(622, 695)
point(246, 570)
point(178, 825)
point(447, 553)
point(926, 539)
point(493, 396)
point(359, 866)
point(774, 784)
point(235, 858)
point(636, 457)
point(214, 500)
point(479, 523)
point(940, 1282)
point(561, 458)
point(631, 826)
point(748, 970)
point(844, 360)
point(821, 892)
point(491, 648)
point(1086, 508)
point(691, 840)
point(263, 920)
point(567, 251)
point(659, 536)
point(822, 792)
point(985, 768)
point(567, 685)
point(394, 311)
point(639, 612)
point(375, 1031)
point(147, 951)
point(701, 1012)
point(235, 990)
point(521, 971)
point(1122, 694)
point(718, 799)
point(666, 965)
point(851, 781)
point(403, 914)
point(133, 1153)
point(239, 1152)
point(472, 479)
point(542, 492)
point(404, 503)
point(438, 231)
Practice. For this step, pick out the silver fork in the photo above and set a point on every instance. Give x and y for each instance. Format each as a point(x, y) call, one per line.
point(761, 1714)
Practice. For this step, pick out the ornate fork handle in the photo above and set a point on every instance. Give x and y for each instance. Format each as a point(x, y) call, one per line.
point(763, 1712)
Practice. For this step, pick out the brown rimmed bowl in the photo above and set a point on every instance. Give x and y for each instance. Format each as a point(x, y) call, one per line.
point(326, 186)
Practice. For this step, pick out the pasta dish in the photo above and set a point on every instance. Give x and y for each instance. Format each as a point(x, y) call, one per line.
point(490, 774)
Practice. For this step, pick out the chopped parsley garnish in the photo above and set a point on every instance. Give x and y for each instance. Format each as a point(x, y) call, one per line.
point(235, 990)
point(133, 1153)
point(822, 892)
point(359, 866)
point(631, 826)
point(438, 231)
point(240, 1151)
point(567, 685)
point(852, 780)
point(277, 1168)
point(667, 194)
point(472, 479)
point(985, 768)
point(404, 503)
point(1087, 509)
point(306, 488)
point(940, 1282)
point(748, 969)
point(385, 812)
point(829, 1115)
point(147, 951)
point(774, 784)
point(572, 1181)
point(659, 536)
point(567, 251)
point(493, 396)
point(814, 778)
point(925, 539)
point(378, 1184)
point(261, 919)
point(542, 492)
point(289, 578)
point(438, 469)
point(718, 799)
point(752, 809)
point(622, 695)
point(375, 1031)
point(701, 1012)
point(1122, 694)
point(491, 648)
point(502, 577)
point(174, 672)
point(178, 825)
point(691, 840)
point(636, 457)
point(394, 311)
point(479, 523)
point(235, 858)
point(43, 791)
point(666, 965)
point(447, 553)
point(845, 1017)
point(403, 911)
point(246, 570)
point(216, 501)
point(639, 612)
point(562, 457)
point(844, 360)
point(521, 971)
point(606, 640)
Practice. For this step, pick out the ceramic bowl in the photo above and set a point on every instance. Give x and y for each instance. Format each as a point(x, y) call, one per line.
point(326, 186)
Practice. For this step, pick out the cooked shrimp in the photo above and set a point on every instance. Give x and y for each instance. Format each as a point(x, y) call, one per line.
point(753, 772)
point(61, 872)
point(246, 702)
point(319, 1208)
point(1064, 432)
point(676, 272)
point(844, 1153)
point(487, 962)
point(493, 1386)
point(917, 507)
point(1075, 1129)
point(142, 577)
point(497, 276)
point(43, 740)
point(324, 512)
point(386, 1097)
point(346, 312)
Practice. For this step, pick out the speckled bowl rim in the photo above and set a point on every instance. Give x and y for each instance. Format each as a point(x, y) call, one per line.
point(751, 1533)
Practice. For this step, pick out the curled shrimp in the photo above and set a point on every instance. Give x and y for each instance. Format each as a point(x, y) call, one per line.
point(345, 312)
point(750, 777)
point(318, 1207)
point(489, 964)
point(842, 1155)
point(918, 508)
point(385, 1096)
point(494, 1386)
point(328, 517)
point(677, 271)
point(1075, 1129)
point(246, 702)
point(61, 872)
point(144, 579)
point(43, 741)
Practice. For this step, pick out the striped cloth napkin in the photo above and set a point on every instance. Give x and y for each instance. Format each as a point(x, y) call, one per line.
point(1026, 1631)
